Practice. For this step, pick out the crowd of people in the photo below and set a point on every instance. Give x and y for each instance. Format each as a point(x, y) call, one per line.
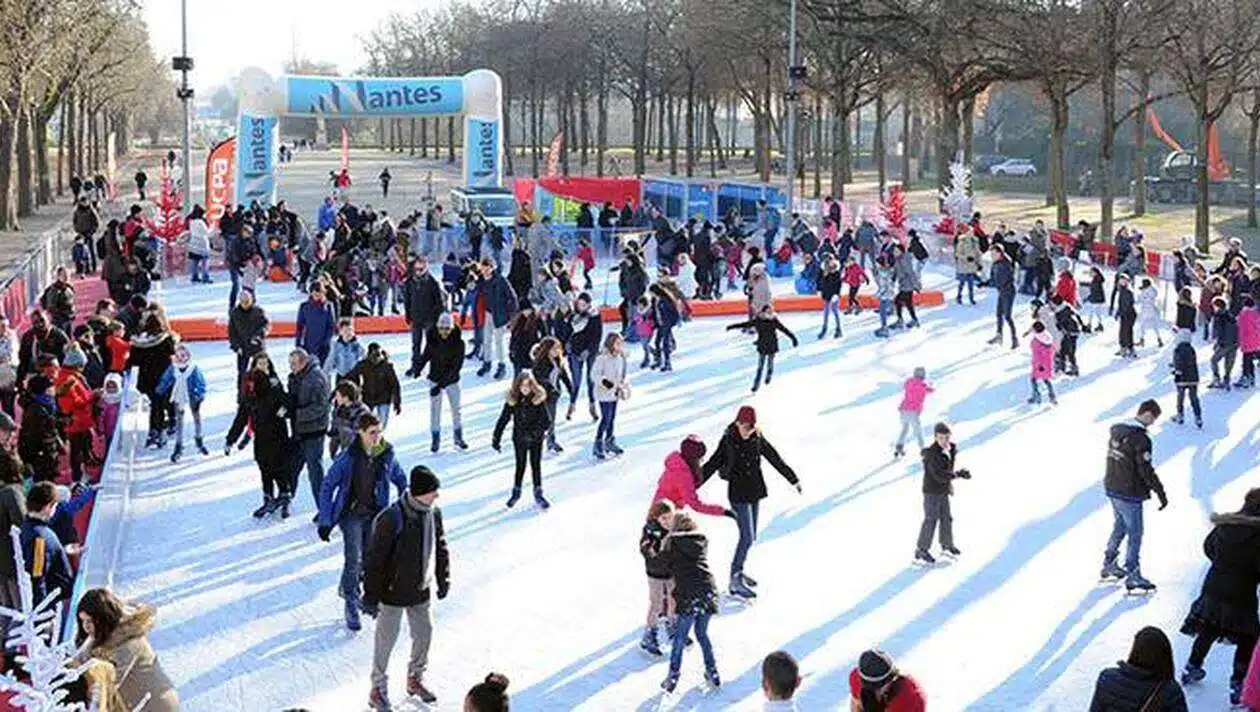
point(526, 294)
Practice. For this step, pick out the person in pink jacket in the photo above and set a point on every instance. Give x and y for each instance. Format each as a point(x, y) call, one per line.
point(1042, 363)
point(914, 392)
point(678, 482)
point(1248, 340)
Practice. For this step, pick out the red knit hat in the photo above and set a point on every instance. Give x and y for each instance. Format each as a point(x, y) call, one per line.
point(747, 415)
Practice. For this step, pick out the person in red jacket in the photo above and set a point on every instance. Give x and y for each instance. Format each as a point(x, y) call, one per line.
point(682, 472)
point(1066, 287)
point(877, 684)
point(75, 400)
point(118, 348)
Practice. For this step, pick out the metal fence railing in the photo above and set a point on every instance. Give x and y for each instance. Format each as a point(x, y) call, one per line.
point(26, 280)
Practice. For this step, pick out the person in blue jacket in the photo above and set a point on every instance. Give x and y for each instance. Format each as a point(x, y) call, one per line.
point(327, 218)
point(354, 491)
point(46, 559)
point(316, 324)
point(184, 386)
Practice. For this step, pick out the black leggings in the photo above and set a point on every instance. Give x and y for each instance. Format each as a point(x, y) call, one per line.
point(534, 451)
point(80, 453)
point(1005, 305)
point(1242, 653)
point(906, 300)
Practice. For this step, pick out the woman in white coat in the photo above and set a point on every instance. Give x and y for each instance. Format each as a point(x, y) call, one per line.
point(686, 277)
point(198, 245)
point(612, 385)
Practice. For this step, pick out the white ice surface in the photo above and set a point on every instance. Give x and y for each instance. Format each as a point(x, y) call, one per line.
point(250, 620)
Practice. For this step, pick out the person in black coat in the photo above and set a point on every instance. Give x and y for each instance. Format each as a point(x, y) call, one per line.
point(1002, 278)
point(586, 334)
point(695, 596)
point(425, 300)
point(1126, 312)
point(632, 283)
point(1226, 606)
point(444, 355)
point(938, 484)
point(39, 442)
point(525, 331)
point(1225, 350)
point(1187, 311)
point(547, 363)
point(520, 274)
point(526, 407)
point(406, 558)
point(1129, 480)
point(737, 459)
point(263, 404)
point(375, 377)
point(1185, 366)
point(151, 352)
point(42, 338)
point(247, 330)
point(766, 325)
point(1144, 682)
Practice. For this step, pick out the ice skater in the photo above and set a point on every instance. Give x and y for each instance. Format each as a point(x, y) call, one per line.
point(660, 588)
point(1130, 478)
point(938, 484)
point(526, 408)
point(1042, 346)
point(1094, 306)
point(1070, 327)
point(1185, 367)
point(444, 355)
point(185, 386)
point(1225, 331)
point(914, 391)
point(765, 324)
point(612, 385)
point(1248, 340)
point(695, 596)
point(1126, 313)
point(1226, 607)
point(830, 285)
point(1149, 318)
point(1002, 278)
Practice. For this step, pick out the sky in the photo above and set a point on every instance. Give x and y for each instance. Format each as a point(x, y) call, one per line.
point(225, 36)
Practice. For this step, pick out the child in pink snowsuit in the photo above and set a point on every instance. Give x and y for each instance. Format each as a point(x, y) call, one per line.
point(915, 391)
point(1042, 362)
point(109, 403)
point(1248, 340)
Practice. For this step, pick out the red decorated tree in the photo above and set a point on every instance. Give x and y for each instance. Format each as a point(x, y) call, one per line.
point(169, 223)
point(895, 212)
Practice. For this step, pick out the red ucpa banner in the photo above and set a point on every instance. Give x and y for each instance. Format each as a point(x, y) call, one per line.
point(220, 180)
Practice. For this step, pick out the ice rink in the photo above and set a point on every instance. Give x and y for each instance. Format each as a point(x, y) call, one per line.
point(250, 620)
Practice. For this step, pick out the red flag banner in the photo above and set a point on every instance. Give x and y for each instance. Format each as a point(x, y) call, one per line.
point(553, 154)
point(220, 180)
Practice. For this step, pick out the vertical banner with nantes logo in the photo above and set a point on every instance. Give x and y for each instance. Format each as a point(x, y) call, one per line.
point(255, 156)
point(483, 145)
point(220, 176)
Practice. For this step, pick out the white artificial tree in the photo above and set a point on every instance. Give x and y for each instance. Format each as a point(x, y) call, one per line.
point(956, 198)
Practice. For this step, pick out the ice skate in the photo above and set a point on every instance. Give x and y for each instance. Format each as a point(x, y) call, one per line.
point(540, 500)
point(711, 677)
point(598, 450)
point(822, 334)
point(995, 340)
point(610, 445)
point(201, 447)
point(837, 334)
point(569, 414)
point(594, 412)
point(899, 324)
point(1192, 674)
point(951, 551)
point(437, 442)
point(1111, 571)
point(741, 590)
point(269, 506)
point(1034, 399)
point(1198, 422)
point(923, 558)
point(914, 324)
point(177, 453)
point(459, 439)
point(648, 643)
point(748, 581)
point(500, 371)
point(553, 447)
point(667, 368)
point(485, 369)
point(352, 617)
point(378, 700)
point(899, 451)
point(1178, 419)
point(1235, 693)
point(670, 683)
point(513, 498)
point(285, 500)
point(881, 333)
point(416, 688)
point(1137, 585)
point(1014, 342)
point(646, 362)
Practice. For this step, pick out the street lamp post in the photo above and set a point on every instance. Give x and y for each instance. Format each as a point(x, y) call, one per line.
point(795, 74)
point(184, 64)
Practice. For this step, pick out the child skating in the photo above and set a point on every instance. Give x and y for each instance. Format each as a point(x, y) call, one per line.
point(526, 408)
point(830, 283)
point(1094, 306)
point(1248, 340)
point(1185, 367)
point(938, 484)
point(660, 598)
point(1042, 346)
point(695, 596)
point(1225, 331)
point(1149, 318)
point(914, 391)
point(765, 325)
point(854, 277)
point(185, 387)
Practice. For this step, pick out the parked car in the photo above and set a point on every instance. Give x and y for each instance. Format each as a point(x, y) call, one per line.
point(986, 161)
point(1014, 167)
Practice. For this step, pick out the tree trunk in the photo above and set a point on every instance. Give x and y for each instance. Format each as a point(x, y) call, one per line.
point(1253, 135)
point(25, 184)
point(839, 147)
point(1202, 205)
point(94, 117)
point(639, 107)
point(672, 108)
point(856, 163)
point(1107, 136)
point(509, 168)
point(43, 177)
point(946, 140)
point(437, 139)
point(1139, 148)
point(411, 136)
point(878, 150)
point(584, 128)
point(818, 145)
point(968, 131)
point(533, 133)
point(424, 138)
point(8, 210)
point(905, 141)
point(72, 135)
point(450, 139)
point(1058, 158)
point(61, 146)
point(601, 128)
point(393, 135)
point(691, 124)
point(715, 138)
point(562, 128)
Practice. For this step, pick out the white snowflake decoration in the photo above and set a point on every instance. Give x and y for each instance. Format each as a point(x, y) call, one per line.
point(956, 198)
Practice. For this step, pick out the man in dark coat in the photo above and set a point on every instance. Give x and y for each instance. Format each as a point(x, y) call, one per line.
point(497, 297)
point(42, 338)
point(378, 383)
point(1129, 481)
point(316, 324)
point(938, 485)
point(58, 300)
point(737, 459)
point(425, 300)
point(406, 560)
point(355, 491)
point(309, 398)
point(39, 444)
point(444, 355)
point(1002, 278)
point(247, 330)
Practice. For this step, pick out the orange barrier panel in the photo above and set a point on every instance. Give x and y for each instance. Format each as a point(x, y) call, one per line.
point(204, 329)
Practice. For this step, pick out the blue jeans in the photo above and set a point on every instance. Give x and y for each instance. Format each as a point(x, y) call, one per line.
point(665, 342)
point(235, 275)
point(382, 414)
point(310, 455)
point(355, 530)
point(1128, 523)
point(607, 417)
point(580, 364)
point(199, 268)
point(685, 622)
point(746, 518)
point(831, 306)
point(970, 281)
point(885, 308)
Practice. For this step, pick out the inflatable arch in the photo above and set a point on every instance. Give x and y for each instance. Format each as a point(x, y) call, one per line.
point(478, 96)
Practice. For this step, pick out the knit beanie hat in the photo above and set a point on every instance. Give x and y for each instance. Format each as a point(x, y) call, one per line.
point(941, 429)
point(446, 321)
point(875, 667)
point(75, 358)
point(747, 414)
point(692, 448)
point(920, 373)
point(423, 481)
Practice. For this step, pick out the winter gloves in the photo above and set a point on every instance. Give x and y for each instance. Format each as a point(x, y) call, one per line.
point(435, 391)
point(442, 590)
point(324, 532)
point(964, 474)
point(497, 446)
point(1163, 499)
point(370, 609)
point(728, 513)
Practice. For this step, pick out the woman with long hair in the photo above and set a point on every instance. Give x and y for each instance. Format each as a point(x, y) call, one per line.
point(1226, 606)
point(526, 407)
point(117, 633)
point(695, 596)
point(612, 386)
point(1144, 682)
point(489, 695)
point(551, 372)
point(262, 404)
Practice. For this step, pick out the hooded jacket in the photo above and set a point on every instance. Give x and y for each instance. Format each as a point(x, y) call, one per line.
point(377, 380)
point(1126, 688)
point(688, 557)
point(406, 556)
point(444, 356)
point(151, 356)
point(738, 461)
point(1042, 346)
point(530, 419)
point(1130, 475)
point(1228, 600)
point(129, 650)
point(1185, 365)
point(344, 356)
point(336, 492)
point(678, 485)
